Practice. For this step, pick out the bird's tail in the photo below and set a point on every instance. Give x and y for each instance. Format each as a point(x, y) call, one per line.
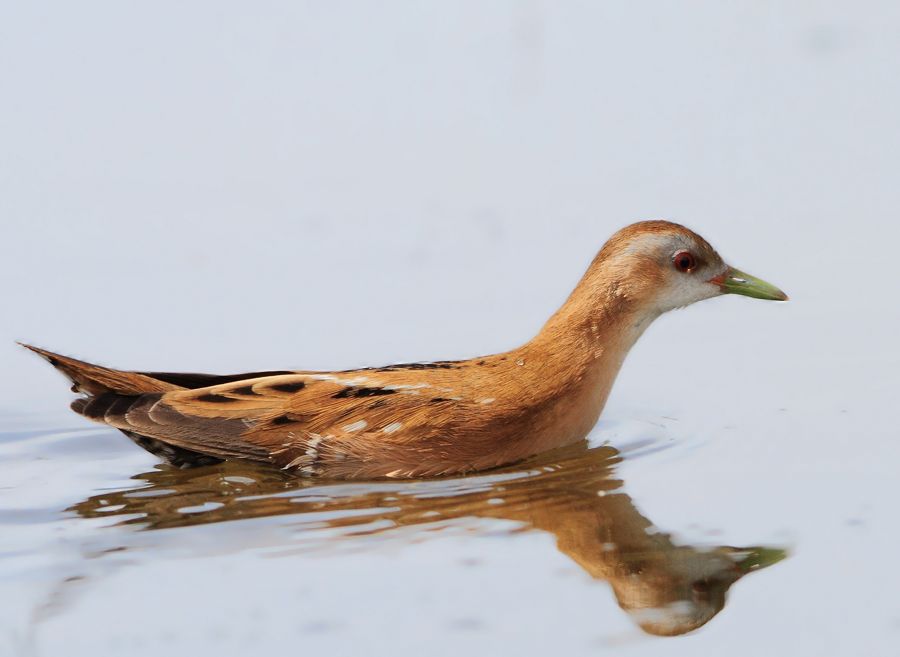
point(96, 380)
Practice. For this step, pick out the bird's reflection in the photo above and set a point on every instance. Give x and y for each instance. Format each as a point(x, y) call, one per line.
point(668, 589)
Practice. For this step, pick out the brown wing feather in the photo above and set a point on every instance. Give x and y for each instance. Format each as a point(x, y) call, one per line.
point(313, 424)
point(347, 424)
point(353, 436)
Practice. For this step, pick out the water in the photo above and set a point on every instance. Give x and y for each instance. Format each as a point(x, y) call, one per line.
point(266, 519)
point(350, 185)
point(590, 548)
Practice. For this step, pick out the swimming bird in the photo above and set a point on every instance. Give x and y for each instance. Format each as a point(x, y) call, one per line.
point(424, 419)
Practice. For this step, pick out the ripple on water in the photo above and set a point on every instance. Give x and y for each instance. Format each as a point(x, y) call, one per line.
point(574, 494)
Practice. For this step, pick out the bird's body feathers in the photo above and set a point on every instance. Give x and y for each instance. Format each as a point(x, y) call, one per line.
point(422, 419)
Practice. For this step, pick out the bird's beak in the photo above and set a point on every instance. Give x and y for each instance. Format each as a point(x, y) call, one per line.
point(734, 281)
point(755, 558)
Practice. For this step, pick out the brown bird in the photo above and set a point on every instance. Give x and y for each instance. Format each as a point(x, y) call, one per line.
point(424, 419)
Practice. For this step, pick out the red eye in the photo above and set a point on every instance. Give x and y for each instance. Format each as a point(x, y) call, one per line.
point(684, 261)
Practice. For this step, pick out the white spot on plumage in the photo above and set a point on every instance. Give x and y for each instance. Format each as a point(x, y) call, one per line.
point(489, 400)
point(307, 460)
point(356, 426)
point(312, 446)
point(391, 428)
point(350, 383)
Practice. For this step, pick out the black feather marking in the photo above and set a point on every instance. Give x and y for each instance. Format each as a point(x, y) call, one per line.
point(219, 399)
point(440, 365)
point(373, 392)
point(282, 419)
point(437, 365)
point(437, 400)
point(294, 386)
point(194, 381)
point(247, 391)
point(362, 392)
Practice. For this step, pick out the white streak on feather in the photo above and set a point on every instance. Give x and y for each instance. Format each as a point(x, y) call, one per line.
point(312, 445)
point(308, 459)
point(336, 379)
point(297, 461)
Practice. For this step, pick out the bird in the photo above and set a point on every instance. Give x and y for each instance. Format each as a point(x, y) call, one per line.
point(424, 419)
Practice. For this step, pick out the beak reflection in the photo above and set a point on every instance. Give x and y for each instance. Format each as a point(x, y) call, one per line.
point(667, 588)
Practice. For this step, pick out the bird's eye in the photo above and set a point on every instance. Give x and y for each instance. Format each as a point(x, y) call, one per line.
point(684, 261)
point(701, 587)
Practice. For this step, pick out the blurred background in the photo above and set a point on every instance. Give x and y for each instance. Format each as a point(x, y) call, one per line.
point(218, 186)
point(223, 186)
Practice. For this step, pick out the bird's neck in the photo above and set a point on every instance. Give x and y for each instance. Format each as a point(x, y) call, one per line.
point(600, 321)
point(575, 358)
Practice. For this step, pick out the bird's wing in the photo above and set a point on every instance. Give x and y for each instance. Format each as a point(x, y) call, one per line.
point(307, 422)
point(399, 420)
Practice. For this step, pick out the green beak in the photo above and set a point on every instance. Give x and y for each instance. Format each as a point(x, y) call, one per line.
point(756, 558)
point(734, 281)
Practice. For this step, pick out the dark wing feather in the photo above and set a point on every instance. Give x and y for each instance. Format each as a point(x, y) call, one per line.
point(192, 381)
point(149, 416)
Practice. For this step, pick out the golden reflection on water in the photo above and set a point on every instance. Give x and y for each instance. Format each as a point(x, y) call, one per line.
point(668, 589)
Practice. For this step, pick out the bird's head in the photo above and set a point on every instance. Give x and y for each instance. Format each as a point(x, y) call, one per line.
point(663, 265)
